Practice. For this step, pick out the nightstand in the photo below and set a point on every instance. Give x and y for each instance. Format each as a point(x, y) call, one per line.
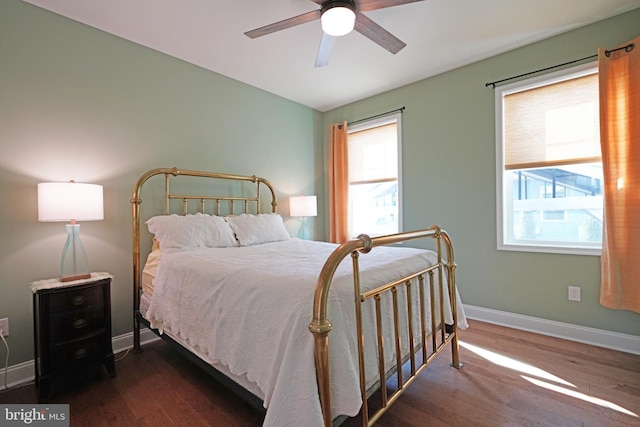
point(72, 330)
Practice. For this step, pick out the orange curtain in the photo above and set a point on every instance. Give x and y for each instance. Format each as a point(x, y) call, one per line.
point(619, 74)
point(338, 183)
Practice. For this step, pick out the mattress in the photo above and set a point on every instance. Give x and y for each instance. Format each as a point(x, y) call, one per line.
point(246, 311)
point(150, 271)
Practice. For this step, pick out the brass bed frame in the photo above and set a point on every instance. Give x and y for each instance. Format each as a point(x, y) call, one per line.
point(430, 343)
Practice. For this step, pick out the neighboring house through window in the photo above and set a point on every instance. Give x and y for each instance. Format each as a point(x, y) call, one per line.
point(374, 177)
point(549, 163)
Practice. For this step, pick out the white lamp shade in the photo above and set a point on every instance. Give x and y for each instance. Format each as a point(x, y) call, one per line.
point(338, 21)
point(303, 206)
point(69, 201)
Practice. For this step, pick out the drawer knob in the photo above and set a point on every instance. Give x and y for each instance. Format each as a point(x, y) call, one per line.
point(79, 354)
point(80, 323)
point(79, 300)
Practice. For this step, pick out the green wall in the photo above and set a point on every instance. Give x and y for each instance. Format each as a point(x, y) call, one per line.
point(77, 103)
point(449, 173)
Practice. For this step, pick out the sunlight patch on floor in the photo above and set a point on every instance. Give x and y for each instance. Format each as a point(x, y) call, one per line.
point(581, 396)
point(528, 369)
point(514, 364)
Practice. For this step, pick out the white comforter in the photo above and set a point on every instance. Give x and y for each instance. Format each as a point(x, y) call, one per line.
point(249, 308)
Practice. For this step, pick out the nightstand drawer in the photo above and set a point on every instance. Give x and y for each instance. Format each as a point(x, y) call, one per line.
point(75, 324)
point(77, 354)
point(77, 298)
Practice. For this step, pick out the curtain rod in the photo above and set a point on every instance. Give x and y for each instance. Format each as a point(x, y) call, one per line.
point(538, 71)
point(401, 109)
point(627, 48)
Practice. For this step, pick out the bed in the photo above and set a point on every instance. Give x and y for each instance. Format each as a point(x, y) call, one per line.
point(307, 330)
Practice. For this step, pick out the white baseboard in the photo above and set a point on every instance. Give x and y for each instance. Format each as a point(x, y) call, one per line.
point(24, 373)
point(18, 374)
point(583, 334)
point(125, 342)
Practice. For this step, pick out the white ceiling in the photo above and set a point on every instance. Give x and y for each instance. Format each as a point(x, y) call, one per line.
point(440, 35)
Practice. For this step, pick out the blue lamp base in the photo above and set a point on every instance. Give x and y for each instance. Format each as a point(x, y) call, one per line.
point(303, 233)
point(73, 263)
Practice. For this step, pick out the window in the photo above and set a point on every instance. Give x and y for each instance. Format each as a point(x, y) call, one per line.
point(374, 183)
point(549, 164)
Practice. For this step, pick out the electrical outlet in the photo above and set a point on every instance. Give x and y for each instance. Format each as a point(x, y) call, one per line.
point(574, 293)
point(4, 325)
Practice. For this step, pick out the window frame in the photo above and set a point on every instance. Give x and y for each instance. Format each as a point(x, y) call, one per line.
point(502, 220)
point(369, 124)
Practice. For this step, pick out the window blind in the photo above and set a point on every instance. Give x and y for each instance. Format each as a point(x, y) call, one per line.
point(543, 127)
point(373, 155)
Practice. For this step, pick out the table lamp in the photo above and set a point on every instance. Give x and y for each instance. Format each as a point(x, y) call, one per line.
point(303, 206)
point(71, 201)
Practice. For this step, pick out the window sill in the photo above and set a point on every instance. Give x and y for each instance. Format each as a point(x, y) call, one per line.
point(593, 251)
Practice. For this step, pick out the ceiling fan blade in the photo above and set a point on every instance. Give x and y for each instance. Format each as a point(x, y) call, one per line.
point(368, 5)
point(377, 34)
point(324, 51)
point(284, 24)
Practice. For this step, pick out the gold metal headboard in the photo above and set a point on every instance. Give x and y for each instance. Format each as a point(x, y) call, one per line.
point(249, 204)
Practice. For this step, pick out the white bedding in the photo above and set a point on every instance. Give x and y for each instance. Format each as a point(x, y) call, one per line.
point(248, 309)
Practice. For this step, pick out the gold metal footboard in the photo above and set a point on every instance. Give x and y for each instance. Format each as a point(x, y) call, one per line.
point(320, 325)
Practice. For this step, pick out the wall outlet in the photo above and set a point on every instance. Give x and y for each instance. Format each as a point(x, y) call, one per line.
point(574, 293)
point(4, 325)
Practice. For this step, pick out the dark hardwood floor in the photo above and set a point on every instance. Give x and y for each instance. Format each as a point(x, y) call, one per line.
point(510, 378)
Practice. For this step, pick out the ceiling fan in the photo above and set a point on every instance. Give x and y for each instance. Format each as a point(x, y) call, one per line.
point(338, 18)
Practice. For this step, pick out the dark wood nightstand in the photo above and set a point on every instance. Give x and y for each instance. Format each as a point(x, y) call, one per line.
point(72, 330)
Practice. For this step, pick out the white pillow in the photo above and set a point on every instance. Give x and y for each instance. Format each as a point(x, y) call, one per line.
point(257, 229)
point(191, 231)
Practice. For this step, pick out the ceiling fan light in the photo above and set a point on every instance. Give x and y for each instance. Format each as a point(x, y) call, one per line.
point(338, 20)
